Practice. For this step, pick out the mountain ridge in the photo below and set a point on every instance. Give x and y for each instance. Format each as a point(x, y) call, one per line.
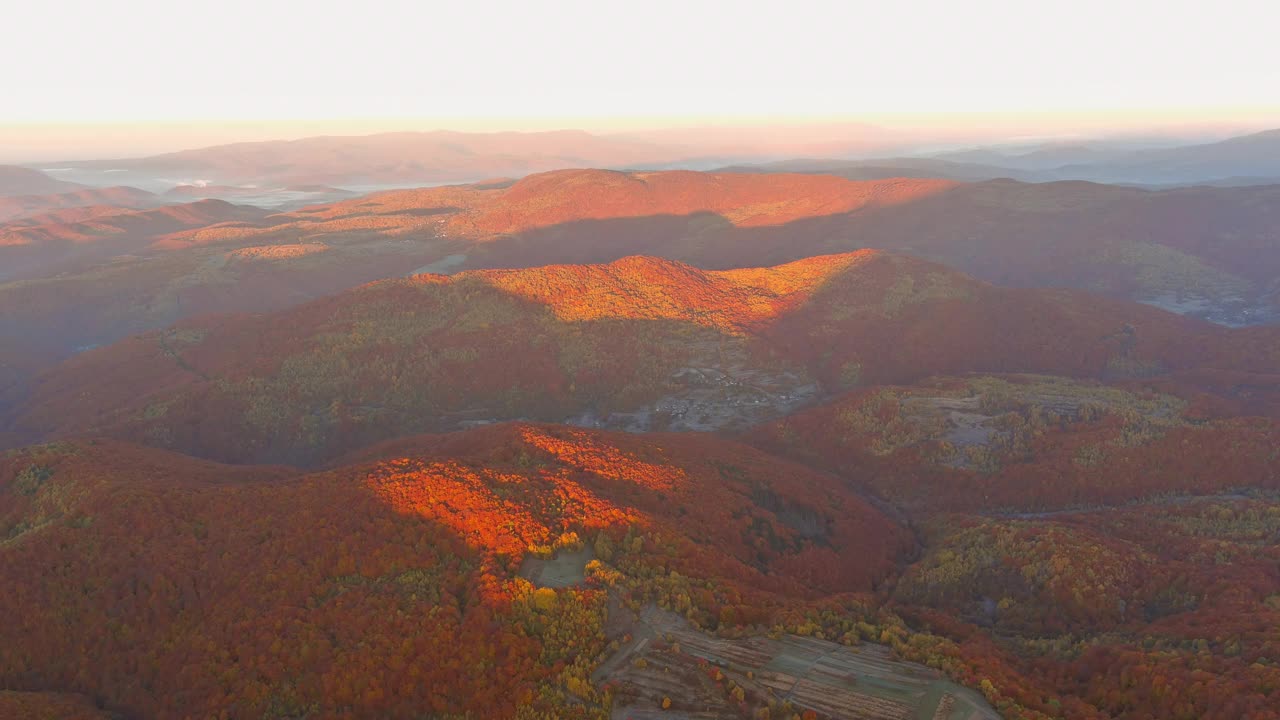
point(18, 207)
point(395, 157)
point(627, 344)
point(15, 180)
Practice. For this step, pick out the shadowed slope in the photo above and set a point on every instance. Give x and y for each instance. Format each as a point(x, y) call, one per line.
point(30, 206)
point(60, 244)
point(1203, 251)
point(137, 224)
point(24, 181)
point(640, 343)
point(1200, 251)
point(49, 706)
point(485, 211)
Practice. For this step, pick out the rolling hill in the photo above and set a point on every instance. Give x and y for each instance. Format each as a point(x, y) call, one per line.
point(598, 444)
point(283, 259)
point(528, 567)
point(1028, 444)
point(1202, 251)
point(960, 169)
point(1154, 610)
point(50, 244)
point(639, 344)
point(314, 585)
point(16, 180)
point(117, 197)
point(491, 210)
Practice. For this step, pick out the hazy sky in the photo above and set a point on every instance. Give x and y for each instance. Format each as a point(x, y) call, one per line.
point(215, 71)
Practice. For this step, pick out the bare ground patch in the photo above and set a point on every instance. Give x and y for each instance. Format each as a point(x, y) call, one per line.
point(564, 569)
point(705, 676)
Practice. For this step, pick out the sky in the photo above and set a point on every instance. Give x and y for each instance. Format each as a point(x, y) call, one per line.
point(89, 77)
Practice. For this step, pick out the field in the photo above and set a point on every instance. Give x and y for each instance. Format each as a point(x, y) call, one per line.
point(709, 677)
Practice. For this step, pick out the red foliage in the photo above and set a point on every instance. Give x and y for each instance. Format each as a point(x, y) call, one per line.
point(48, 706)
point(745, 199)
point(1105, 460)
point(550, 342)
point(734, 510)
point(169, 587)
point(136, 226)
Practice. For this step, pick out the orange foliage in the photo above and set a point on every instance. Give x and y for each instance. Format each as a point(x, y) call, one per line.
point(1166, 610)
point(632, 288)
point(430, 352)
point(746, 200)
point(182, 587)
point(579, 450)
point(190, 588)
point(491, 509)
point(731, 511)
point(135, 226)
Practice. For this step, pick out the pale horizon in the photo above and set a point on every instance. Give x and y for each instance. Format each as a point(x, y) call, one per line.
point(159, 82)
point(28, 143)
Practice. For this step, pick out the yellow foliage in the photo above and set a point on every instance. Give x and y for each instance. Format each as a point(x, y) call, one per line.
point(544, 599)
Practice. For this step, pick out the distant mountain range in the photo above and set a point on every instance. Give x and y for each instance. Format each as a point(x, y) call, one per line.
point(1246, 160)
point(403, 158)
point(856, 151)
point(1250, 158)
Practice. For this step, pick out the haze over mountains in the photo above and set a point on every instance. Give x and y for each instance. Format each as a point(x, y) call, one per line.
point(94, 274)
point(865, 424)
point(409, 158)
point(1245, 160)
point(27, 181)
point(390, 158)
point(92, 200)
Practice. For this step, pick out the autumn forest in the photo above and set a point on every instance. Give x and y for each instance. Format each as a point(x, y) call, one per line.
point(348, 430)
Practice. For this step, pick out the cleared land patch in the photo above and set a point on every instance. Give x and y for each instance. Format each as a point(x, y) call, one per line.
point(565, 569)
point(705, 676)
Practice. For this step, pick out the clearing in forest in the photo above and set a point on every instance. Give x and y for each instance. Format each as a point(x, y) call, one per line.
point(666, 657)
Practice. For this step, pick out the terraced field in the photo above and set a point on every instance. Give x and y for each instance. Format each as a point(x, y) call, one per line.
point(666, 658)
